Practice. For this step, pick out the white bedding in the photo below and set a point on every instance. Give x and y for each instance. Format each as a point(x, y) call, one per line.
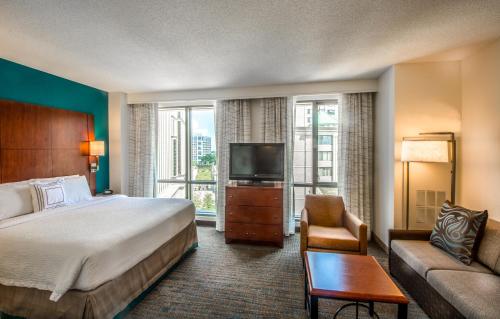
point(82, 246)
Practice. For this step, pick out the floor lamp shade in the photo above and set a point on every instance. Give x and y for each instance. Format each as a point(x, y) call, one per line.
point(425, 151)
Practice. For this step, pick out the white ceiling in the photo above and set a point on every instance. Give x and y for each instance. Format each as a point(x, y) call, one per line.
point(153, 45)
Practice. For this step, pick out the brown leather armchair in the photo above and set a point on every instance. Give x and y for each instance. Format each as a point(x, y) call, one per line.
point(326, 226)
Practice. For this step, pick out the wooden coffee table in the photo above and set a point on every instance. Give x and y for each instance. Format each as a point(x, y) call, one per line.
point(359, 279)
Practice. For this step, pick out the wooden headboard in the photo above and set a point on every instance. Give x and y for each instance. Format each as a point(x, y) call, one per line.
point(39, 142)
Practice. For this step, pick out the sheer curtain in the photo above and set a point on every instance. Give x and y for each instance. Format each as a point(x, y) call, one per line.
point(278, 123)
point(355, 155)
point(142, 148)
point(232, 125)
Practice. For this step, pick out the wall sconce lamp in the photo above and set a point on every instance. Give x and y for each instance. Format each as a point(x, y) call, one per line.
point(437, 147)
point(96, 148)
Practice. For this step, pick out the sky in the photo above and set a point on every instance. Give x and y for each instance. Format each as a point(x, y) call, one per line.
point(202, 123)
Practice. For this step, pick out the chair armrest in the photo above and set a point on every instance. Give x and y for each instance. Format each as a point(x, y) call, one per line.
point(403, 234)
point(359, 230)
point(304, 229)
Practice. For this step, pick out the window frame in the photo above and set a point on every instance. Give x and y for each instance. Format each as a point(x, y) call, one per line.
point(315, 184)
point(188, 179)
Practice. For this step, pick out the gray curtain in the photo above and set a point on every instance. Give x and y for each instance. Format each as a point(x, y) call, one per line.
point(278, 123)
point(142, 148)
point(232, 125)
point(355, 155)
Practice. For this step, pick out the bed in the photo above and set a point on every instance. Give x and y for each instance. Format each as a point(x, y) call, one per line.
point(92, 258)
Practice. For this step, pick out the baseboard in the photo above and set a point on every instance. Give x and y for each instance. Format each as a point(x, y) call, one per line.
point(379, 242)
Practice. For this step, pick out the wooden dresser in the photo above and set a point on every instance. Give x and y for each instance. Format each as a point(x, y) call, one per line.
point(254, 214)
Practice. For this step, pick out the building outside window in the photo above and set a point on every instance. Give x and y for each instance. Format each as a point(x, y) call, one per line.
point(181, 176)
point(315, 149)
point(325, 155)
point(325, 139)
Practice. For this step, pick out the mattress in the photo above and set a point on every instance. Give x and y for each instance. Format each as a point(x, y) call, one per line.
point(85, 245)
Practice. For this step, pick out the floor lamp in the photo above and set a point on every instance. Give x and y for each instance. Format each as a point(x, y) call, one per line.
point(437, 147)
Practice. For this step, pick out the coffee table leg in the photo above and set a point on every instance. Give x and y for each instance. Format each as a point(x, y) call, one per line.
point(402, 311)
point(305, 291)
point(313, 308)
point(371, 308)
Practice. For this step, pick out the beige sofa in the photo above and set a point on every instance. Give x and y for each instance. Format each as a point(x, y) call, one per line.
point(443, 286)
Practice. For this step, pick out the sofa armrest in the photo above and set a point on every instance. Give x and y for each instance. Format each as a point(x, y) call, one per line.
point(404, 234)
point(358, 229)
point(304, 229)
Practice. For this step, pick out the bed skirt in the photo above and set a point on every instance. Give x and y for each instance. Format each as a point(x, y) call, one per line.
point(105, 301)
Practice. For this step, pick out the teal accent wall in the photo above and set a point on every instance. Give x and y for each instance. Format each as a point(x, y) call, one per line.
point(24, 84)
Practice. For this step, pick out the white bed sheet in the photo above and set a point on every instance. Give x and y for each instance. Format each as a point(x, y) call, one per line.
point(87, 244)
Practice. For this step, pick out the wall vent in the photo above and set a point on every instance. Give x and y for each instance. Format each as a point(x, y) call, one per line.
point(428, 205)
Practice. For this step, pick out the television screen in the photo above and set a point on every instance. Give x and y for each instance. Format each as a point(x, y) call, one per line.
point(256, 161)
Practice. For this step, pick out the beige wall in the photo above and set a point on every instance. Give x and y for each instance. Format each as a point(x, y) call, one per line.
point(428, 99)
point(256, 92)
point(384, 158)
point(118, 152)
point(479, 186)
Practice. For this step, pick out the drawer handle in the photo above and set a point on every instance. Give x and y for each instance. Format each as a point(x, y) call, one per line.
point(276, 198)
point(230, 196)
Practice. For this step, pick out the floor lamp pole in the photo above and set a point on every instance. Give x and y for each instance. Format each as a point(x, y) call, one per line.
point(407, 195)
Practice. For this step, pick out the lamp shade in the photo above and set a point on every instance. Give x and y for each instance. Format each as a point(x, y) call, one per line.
point(425, 151)
point(96, 148)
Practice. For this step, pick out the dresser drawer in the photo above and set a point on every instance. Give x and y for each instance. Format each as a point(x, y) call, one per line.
point(254, 215)
point(254, 232)
point(258, 196)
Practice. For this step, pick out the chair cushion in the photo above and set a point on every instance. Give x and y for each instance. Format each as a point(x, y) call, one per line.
point(423, 257)
point(458, 231)
point(475, 295)
point(489, 247)
point(335, 238)
point(325, 210)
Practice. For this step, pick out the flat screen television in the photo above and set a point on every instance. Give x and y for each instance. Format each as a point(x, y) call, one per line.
point(256, 161)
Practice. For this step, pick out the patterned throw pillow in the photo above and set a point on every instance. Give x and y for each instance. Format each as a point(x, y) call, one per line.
point(457, 231)
point(47, 195)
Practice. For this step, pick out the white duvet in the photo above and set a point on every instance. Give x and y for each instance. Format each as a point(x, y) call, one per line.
point(84, 245)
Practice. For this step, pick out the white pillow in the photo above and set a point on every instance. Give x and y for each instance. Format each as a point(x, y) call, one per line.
point(15, 199)
point(77, 189)
point(47, 195)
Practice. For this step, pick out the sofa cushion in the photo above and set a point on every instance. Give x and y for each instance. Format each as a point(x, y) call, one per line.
point(458, 230)
point(325, 210)
point(475, 295)
point(489, 248)
point(337, 238)
point(423, 257)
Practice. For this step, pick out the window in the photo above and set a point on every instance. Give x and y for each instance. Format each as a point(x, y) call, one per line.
point(180, 175)
point(325, 155)
point(315, 150)
point(325, 171)
point(325, 140)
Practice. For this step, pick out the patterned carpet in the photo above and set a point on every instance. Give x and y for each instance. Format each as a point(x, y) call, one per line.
point(240, 281)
